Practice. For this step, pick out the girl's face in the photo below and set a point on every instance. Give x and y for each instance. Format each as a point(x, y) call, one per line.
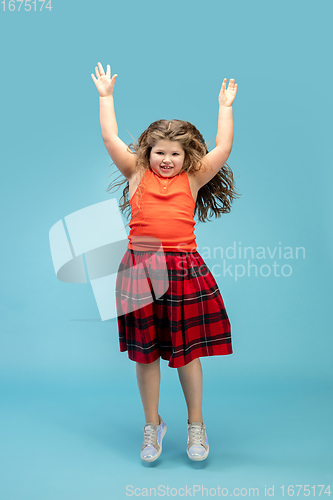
point(166, 154)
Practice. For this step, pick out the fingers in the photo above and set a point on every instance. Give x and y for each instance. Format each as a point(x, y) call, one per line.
point(100, 71)
point(232, 86)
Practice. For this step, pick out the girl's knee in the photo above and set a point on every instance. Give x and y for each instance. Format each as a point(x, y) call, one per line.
point(148, 365)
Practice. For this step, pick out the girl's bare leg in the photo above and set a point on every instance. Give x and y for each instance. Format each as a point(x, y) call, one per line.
point(190, 377)
point(148, 377)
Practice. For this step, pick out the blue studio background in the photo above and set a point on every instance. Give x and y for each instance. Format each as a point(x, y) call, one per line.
point(71, 417)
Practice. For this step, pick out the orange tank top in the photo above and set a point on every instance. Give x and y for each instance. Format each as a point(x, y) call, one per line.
point(166, 213)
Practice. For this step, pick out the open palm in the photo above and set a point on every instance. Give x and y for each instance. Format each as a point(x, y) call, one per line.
point(104, 82)
point(227, 96)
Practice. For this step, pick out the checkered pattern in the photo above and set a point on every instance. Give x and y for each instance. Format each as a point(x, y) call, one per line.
point(188, 321)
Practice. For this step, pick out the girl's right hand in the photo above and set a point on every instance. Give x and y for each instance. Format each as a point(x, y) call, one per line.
point(104, 82)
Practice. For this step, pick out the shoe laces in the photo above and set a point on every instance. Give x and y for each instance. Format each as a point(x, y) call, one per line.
point(196, 434)
point(150, 434)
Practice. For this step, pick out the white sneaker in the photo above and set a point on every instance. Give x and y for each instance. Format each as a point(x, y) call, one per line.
point(197, 441)
point(152, 441)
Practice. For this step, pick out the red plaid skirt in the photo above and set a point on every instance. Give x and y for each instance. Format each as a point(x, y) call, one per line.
point(169, 306)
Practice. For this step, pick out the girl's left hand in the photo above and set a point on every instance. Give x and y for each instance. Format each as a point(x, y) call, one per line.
point(226, 97)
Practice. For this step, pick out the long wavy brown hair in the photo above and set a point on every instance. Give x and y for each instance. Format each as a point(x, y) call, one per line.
point(217, 195)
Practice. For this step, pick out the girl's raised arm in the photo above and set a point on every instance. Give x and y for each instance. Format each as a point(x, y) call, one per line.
point(215, 159)
point(117, 149)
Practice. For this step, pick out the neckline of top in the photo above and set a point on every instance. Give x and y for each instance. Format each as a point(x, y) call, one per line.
point(165, 178)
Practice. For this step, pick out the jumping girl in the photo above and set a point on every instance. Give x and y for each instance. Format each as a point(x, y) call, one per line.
point(170, 175)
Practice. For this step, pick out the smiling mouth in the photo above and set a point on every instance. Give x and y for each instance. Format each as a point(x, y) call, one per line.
point(166, 168)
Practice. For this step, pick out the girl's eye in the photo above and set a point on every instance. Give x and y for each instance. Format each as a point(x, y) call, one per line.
point(161, 153)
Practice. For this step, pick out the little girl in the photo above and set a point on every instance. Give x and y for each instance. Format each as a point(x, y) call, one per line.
point(170, 175)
